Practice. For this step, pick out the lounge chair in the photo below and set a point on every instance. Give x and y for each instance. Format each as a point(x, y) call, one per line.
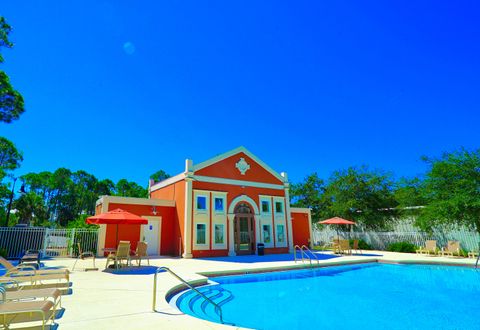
point(22, 270)
point(31, 257)
point(355, 246)
point(25, 311)
point(141, 253)
point(453, 247)
point(122, 253)
point(473, 254)
point(83, 256)
point(19, 294)
point(430, 248)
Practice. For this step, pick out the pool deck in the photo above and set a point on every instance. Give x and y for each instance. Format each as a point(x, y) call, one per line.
point(102, 300)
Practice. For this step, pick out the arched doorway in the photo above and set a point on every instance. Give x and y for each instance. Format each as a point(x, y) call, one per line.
point(244, 227)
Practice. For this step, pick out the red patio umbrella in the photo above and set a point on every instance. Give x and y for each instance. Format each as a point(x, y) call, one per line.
point(336, 221)
point(116, 217)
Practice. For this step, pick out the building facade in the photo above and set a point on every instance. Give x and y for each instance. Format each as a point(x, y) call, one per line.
point(224, 206)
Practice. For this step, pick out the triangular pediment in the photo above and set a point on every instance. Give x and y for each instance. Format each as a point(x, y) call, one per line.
point(238, 164)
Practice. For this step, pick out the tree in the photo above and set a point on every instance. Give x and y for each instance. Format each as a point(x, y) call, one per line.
point(409, 196)
point(452, 191)
point(130, 189)
point(31, 209)
point(159, 176)
point(362, 195)
point(309, 193)
point(10, 157)
point(11, 101)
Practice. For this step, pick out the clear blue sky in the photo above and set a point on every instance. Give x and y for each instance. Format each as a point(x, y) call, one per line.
point(124, 88)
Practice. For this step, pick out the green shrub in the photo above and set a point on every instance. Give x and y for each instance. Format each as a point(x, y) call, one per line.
point(402, 247)
point(3, 253)
point(362, 245)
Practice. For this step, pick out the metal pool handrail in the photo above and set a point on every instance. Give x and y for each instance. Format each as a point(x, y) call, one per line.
point(302, 253)
point(311, 252)
point(218, 309)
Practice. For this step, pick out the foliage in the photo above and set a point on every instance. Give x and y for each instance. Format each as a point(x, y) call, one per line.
point(408, 194)
point(61, 197)
point(452, 191)
point(362, 245)
point(10, 157)
point(402, 247)
point(130, 189)
point(5, 30)
point(159, 176)
point(80, 222)
point(11, 101)
point(362, 195)
point(309, 194)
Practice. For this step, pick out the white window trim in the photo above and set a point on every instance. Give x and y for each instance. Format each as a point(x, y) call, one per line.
point(224, 211)
point(207, 238)
point(270, 244)
point(202, 211)
point(284, 243)
point(224, 244)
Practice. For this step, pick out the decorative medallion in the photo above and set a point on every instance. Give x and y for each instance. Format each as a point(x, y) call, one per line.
point(242, 166)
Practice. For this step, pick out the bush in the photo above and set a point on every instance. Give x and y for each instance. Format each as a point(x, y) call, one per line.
point(402, 247)
point(3, 253)
point(362, 245)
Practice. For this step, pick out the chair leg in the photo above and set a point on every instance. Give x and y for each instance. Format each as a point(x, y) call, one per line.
point(73, 268)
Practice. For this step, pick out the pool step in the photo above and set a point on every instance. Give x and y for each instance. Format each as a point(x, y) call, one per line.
point(202, 308)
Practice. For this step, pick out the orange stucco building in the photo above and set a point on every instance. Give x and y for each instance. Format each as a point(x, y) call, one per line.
point(224, 206)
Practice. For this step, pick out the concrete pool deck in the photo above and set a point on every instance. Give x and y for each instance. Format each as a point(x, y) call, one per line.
point(103, 300)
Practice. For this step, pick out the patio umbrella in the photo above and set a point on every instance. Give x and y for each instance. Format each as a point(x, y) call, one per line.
point(336, 221)
point(117, 217)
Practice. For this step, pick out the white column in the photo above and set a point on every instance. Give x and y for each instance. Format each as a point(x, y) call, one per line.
point(231, 233)
point(188, 210)
point(289, 214)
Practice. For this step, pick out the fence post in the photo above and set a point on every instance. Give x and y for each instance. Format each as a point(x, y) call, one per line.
point(45, 241)
point(73, 242)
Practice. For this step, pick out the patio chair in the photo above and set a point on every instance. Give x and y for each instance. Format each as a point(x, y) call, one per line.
point(430, 247)
point(122, 253)
point(25, 311)
point(336, 246)
point(83, 256)
point(453, 247)
point(29, 270)
point(345, 246)
point(355, 246)
point(141, 253)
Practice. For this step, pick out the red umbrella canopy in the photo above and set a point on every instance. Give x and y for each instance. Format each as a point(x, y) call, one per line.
point(336, 221)
point(117, 217)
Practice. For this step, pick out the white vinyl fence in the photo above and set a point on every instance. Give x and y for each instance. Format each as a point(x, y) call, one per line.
point(469, 241)
point(50, 242)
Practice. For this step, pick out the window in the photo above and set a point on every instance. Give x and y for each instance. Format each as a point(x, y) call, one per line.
point(266, 234)
point(278, 207)
point(219, 234)
point(280, 233)
point(218, 204)
point(201, 233)
point(201, 203)
point(265, 207)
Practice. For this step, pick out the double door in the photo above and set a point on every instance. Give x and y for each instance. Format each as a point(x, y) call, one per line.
point(244, 234)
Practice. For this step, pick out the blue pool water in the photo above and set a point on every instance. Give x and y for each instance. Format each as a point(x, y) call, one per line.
point(368, 296)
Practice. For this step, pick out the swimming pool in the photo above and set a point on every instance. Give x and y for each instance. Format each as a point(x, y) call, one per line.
point(373, 296)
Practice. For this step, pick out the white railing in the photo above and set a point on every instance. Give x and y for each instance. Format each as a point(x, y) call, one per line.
point(469, 241)
point(51, 242)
